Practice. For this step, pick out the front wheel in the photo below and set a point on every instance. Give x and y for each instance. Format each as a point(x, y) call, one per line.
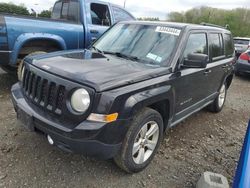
point(141, 142)
point(219, 102)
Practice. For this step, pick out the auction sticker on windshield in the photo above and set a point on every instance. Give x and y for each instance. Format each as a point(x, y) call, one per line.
point(168, 30)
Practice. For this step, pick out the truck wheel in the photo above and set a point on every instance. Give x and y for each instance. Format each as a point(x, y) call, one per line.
point(20, 65)
point(219, 102)
point(141, 142)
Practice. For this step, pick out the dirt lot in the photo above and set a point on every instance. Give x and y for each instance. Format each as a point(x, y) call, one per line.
point(204, 142)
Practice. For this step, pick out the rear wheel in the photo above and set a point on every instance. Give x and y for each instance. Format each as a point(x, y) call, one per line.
point(20, 64)
point(141, 142)
point(219, 102)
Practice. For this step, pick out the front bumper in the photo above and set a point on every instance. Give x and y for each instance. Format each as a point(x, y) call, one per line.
point(4, 57)
point(99, 140)
point(242, 66)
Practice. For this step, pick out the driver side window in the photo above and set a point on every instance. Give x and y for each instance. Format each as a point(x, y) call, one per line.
point(100, 14)
point(197, 43)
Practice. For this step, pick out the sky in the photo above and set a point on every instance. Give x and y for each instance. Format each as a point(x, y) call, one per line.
point(148, 8)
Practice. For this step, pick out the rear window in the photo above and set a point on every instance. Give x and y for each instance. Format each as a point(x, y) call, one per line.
point(241, 41)
point(229, 46)
point(216, 45)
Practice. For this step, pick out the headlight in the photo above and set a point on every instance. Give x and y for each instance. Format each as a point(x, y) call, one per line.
point(80, 100)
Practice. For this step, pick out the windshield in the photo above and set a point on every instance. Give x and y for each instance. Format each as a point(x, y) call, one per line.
point(143, 43)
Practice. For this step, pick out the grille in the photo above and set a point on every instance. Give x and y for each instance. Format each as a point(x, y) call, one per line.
point(44, 93)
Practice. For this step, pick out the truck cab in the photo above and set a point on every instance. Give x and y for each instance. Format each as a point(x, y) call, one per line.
point(74, 24)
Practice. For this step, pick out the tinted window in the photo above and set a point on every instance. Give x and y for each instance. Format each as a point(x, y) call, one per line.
point(217, 48)
point(56, 14)
point(121, 15)
point(100, 14)
point(229, 47)
point(197, 43)
point(74, 11)
point(143, 42)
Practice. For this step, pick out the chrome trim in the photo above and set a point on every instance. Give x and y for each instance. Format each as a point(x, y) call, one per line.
point(2, 51)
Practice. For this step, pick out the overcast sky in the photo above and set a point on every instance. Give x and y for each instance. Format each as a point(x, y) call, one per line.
point(149, 8)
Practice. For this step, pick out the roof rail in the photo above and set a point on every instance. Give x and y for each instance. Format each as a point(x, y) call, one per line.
point(213, 25)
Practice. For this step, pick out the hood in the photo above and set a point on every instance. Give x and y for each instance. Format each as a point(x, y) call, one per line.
point(101, 72)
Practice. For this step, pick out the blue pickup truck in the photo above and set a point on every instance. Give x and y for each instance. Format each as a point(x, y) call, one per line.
point(74, 24)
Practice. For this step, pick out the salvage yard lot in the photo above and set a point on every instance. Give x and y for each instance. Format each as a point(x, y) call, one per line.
point(204, 142)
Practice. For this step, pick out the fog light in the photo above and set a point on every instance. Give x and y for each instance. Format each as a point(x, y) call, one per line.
point(50, 140)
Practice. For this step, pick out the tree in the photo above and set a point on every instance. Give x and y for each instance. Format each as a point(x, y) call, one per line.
point(237, 19)
point(13, 9)
point(45, 14)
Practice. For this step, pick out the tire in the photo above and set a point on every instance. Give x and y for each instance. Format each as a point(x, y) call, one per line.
point(20, 65)
point(147, 119)
point(219, 102)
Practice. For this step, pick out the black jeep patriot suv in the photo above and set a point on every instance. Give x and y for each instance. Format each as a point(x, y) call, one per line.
point(117, 99)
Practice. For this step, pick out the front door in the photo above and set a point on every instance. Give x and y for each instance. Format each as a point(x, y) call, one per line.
point(99, 19)
point(191, 84)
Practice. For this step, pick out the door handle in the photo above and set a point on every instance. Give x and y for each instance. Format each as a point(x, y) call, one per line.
point(93, 31)
point(206, 72)
point(93, 39)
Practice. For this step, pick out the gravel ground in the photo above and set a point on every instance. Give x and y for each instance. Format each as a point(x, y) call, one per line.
point(203, 142)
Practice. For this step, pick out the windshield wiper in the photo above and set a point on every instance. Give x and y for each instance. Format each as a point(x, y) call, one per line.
point(98, 50)
point(125, 56)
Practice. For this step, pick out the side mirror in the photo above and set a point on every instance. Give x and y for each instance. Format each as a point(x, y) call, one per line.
point(196, 60)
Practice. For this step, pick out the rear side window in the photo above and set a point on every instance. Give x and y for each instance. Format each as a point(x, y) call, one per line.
point(216, 45)
point(56, 14)
point(66, 11)
point(100, 14)
point(229, 46)
point(74, 11)
point(197, 43)
point(121, 15)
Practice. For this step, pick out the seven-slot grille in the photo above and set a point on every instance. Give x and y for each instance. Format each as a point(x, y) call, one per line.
point(44, 93)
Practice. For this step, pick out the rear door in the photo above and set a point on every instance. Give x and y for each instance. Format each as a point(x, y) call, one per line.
point(221, 56)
